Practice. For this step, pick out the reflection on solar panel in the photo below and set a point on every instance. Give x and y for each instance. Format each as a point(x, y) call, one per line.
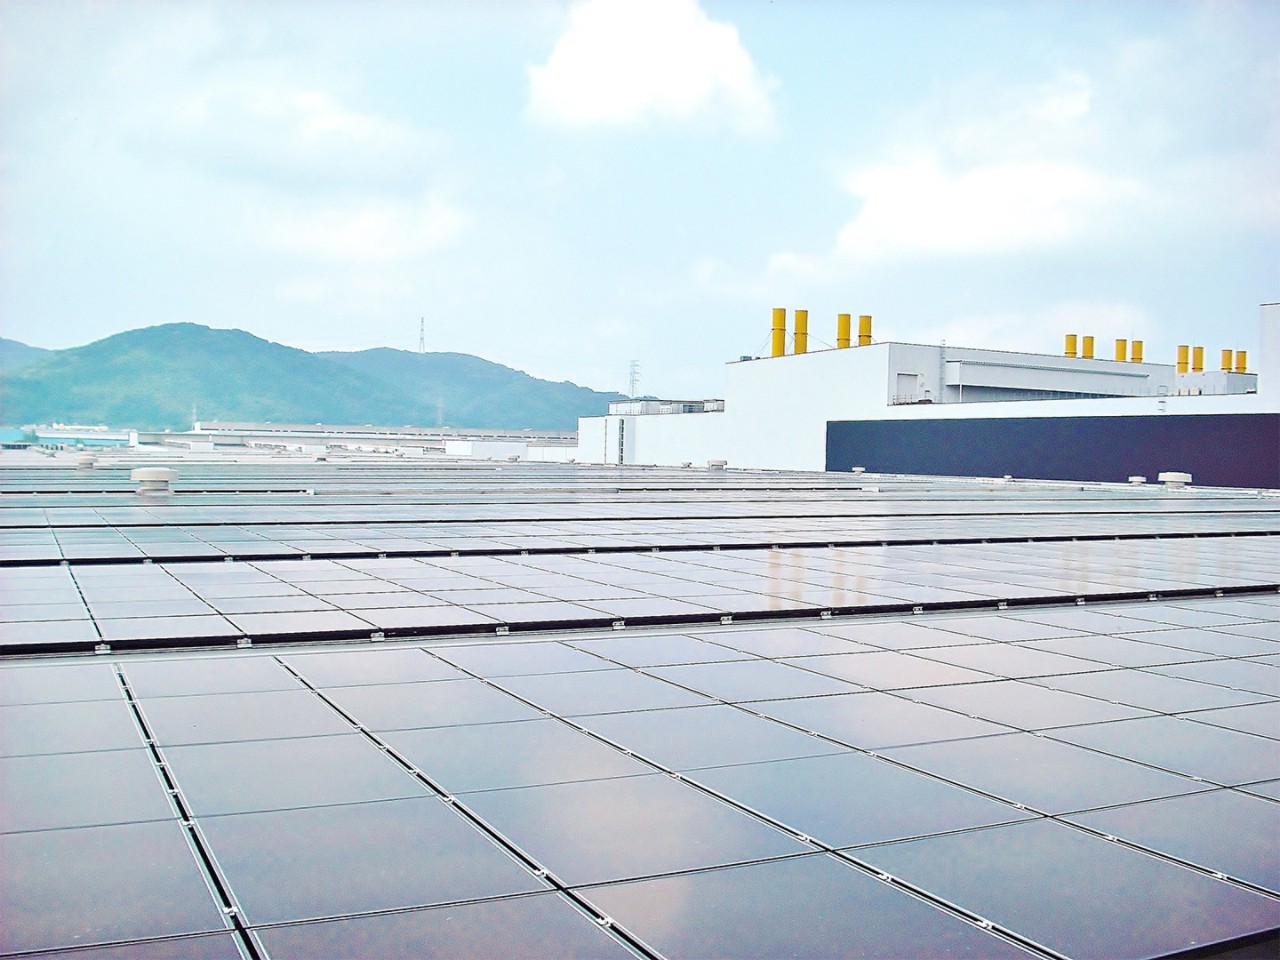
point(440, 711)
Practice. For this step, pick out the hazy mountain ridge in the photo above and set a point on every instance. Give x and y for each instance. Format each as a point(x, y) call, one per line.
point(14, 355)
point(470, 391)
point(152, 377)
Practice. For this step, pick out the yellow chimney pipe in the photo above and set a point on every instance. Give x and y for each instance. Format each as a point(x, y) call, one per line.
point(1087, 347)
point(1135, 352)
point(779, 331)
point(1070, 349)
point(1242, 361)
point(1226, 360)
point(844, 326)
point(802, 331)
point(864, 330)
point(1122, 349)
point(1197, 359)
point(1184, 352)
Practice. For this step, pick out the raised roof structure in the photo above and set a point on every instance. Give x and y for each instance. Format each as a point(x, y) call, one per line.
point(913, 408)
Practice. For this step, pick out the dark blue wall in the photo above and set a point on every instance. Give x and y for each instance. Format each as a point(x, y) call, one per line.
point(1227, 450)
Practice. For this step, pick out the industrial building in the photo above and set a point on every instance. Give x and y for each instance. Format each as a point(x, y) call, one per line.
point(947, 410)
point(255, 704)
point(1091, 413)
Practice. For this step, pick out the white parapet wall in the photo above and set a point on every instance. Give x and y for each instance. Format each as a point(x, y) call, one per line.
point(1268, 366)
point(774, 418)
point(485, 449)
point(556, 454)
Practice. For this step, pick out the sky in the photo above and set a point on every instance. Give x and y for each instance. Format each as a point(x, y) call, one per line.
point(568, 187)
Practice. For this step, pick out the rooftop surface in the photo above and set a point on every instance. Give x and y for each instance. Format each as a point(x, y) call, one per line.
point(377, 708)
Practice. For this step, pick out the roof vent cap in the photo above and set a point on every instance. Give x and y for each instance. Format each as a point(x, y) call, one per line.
point(153, 480)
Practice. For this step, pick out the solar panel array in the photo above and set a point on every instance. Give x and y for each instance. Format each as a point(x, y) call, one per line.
point(1044, 747)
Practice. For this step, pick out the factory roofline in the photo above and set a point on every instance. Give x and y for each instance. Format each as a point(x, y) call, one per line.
point(796, 415)
point(950, 347)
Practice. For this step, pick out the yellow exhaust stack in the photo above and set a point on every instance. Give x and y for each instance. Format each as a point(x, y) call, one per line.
point(844, 327)
point(1069, 348)
point(1197, 359)
point(1184, 353)
point(864, 330)
point(802, 331)
point(1122, 350)
point(1226, 360)
point(779, 331)
point(1242, 361)
point(1135, 352)
point(1087, 348)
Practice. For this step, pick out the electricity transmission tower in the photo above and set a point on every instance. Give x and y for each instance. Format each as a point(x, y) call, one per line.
point(634, 379)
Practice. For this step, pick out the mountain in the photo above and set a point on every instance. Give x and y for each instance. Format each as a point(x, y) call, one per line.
point(472, 392)
point(14, 355)
point(152, 378)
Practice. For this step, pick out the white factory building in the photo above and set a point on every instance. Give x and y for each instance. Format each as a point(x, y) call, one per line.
point(789, 410)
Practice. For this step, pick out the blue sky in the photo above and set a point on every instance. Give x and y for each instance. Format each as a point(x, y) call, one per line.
point(567, 187)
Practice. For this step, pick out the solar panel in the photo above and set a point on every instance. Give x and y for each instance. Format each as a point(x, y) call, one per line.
point(751, 742)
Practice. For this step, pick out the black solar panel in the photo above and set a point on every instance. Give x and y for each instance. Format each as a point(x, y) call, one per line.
point(1046, 747)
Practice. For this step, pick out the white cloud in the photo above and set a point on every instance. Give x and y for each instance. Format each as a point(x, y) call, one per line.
point(919, 208)
point(309, 290)
point(1076, 159)
point(265, 127)
point(353, 293)
point(1056, 117)
point(238, 92)
point(365, 231)
point(313, 119)
point(1017, 175)
point(785, 274)
point(625, 62)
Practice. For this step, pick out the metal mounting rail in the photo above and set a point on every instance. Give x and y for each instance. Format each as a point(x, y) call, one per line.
point(774, 543)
